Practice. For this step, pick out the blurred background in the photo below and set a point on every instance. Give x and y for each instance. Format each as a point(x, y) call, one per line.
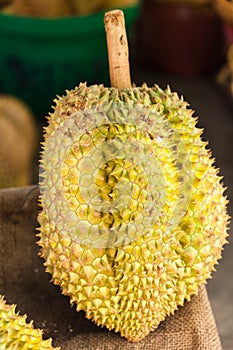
point(49, 47)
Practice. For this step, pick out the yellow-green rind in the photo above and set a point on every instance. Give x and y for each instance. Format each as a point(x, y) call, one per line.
point(133, 287)
point(17, 334)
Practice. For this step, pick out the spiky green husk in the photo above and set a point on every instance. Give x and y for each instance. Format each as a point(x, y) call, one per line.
point(16, 333)
point(131, 286)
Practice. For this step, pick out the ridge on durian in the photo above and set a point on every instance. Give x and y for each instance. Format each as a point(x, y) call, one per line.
point(134, 216)
point(17, 333)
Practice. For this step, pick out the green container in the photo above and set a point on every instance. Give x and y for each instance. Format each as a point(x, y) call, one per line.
point(41, 58)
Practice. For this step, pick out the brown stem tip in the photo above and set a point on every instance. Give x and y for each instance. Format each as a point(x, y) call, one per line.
point(118, 52)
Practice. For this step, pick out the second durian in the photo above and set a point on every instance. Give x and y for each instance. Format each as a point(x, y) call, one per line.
point(17, 333)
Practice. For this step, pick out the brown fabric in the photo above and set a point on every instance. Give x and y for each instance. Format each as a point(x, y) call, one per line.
point(24, 282)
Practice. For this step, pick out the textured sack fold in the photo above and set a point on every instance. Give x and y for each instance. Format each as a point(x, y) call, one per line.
point(23, 281)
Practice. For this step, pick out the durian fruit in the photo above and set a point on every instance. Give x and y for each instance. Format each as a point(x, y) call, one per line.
point(18, 140)
point(18, 8)
point(39, 9)
point(50, 9)
point(225, 75)
point(192, 2)
point(119, 3)
point(229, 68)
point(17, 333)
point(225, 9)
point(133, 215)
point(83, 7)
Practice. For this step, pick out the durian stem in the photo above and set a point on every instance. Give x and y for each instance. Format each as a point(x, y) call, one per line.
point(118, 52)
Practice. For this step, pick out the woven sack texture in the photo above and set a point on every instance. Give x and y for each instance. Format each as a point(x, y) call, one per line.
point(24, 282)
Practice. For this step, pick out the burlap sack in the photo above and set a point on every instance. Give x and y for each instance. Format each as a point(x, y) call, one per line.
point(24, 281)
